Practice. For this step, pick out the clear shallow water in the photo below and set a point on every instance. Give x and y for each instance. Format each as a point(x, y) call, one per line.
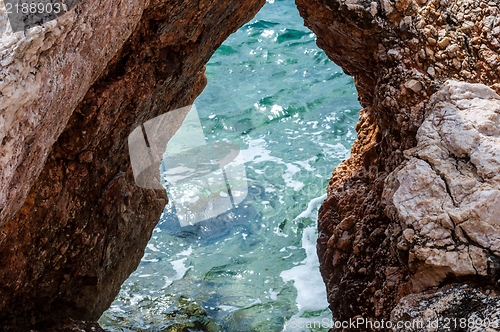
point(292, 112)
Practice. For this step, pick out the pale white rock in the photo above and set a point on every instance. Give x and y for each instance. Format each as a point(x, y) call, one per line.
point(387, 6)
point(431, 71)
point(373, 8)
point(414, 85)
point(354, 5)
point(446, 195)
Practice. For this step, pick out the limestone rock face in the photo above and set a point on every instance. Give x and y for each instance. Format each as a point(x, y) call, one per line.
point(446, 196)
point(377, 243)
point(73, 224)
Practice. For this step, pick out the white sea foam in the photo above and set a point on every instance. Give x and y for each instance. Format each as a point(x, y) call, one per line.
point(135, 299)
point(186, 252)
point(311, 292)
point(273, 295)
point(335, 151)
point(152, 247)
point(305, 164)
point(180, 268)
point(228, 308)
point(144, 259)
point(291, 170)
point(311, 207)
point(257, 152)
point(267, 33)
point(254, 302)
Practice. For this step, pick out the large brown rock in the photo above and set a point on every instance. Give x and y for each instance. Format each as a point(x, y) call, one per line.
point(73, 224)
point(400, 53)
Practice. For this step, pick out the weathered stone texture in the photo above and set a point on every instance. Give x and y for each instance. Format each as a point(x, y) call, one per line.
point(400, 53)
point(446, 196)
point(73, 224)
point(451, 308)
point(45, 72)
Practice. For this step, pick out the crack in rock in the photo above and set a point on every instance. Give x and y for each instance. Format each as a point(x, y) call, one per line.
point(455, 216)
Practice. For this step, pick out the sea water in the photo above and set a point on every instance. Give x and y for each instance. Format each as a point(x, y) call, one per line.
point(292, 112)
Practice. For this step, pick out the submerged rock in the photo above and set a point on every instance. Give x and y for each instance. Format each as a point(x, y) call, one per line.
point(75, 326)
point(73, 224)
point(416, 205)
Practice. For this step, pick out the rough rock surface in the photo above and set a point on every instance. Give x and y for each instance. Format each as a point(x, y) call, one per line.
point(400, 53)
point(45, 72)
point(73, 225)
point(452, 308)
point(446, 196)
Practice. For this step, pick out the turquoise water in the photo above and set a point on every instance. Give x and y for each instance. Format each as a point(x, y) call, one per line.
point(292, 112)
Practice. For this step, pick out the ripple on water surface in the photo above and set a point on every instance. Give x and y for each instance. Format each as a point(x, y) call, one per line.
point(254, 268)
